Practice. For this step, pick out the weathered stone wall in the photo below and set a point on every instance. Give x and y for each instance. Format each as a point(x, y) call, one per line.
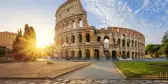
point(74, 38)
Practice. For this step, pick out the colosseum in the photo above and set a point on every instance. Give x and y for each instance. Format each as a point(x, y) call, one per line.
point(75, 39)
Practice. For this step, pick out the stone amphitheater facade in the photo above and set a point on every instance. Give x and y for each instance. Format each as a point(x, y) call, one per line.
point(75, 39)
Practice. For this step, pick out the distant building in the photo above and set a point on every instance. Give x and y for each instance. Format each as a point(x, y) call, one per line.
point(76, 39)
point(7, 39)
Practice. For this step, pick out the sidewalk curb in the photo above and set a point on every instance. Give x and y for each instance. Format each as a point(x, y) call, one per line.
point(72, 70)
point(51, 77)
point(119, 70)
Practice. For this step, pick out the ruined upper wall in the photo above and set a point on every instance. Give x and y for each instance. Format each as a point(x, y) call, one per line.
point(68, 9)
point(123, 31)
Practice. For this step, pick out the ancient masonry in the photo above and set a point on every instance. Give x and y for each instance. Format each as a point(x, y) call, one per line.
point(75, 39)
point(7, 39)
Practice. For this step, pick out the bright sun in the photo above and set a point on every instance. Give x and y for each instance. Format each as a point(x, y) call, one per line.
point(41, 44)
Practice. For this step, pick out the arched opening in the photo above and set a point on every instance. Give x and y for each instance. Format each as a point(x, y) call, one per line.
point(124, 55)
point(62, 41)
point(67, 39)
point(132, 55)
point(123, 43)
point(106, 42)
point(98, 39)
point(135, 55)
point(118, 42)
point(128, 43)
point(107, 54)
point(72, 39)
point(72, 54)
point(68, 25)
point(80, 23)
point(66, 55)
point(128, 54)
point(80, 38)
point(135, 44)
point(61, 54)
point(87, 37)
point(114, 54)
point(96, 54)
point(74, 24)
point(132, 43)
point(79, 54)
point(87, 53)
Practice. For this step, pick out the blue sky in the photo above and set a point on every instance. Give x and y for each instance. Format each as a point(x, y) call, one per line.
point(147, 16)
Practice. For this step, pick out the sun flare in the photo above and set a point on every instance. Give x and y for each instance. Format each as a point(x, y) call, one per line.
point(41, 44)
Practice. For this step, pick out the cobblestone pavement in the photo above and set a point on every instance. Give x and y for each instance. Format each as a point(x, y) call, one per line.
point(61, 81)
point(99, 70)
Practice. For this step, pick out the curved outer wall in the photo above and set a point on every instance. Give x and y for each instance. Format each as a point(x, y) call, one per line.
point(75, 39)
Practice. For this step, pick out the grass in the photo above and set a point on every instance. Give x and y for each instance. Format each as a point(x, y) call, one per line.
point(132, 69)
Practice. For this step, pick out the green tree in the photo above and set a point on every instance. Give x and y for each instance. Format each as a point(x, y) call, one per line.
point(164, 47)
point(165, 38)
point(17, 42)
point(25, 45)
point(2, 51)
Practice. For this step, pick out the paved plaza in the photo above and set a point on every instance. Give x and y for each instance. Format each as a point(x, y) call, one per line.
point(99, 70)
point(61, 81)
point(38, 69)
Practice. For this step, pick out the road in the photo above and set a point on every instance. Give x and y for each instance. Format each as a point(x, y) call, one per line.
point(98, 70)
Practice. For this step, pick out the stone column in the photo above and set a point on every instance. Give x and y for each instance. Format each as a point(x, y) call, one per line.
point(91, 53)
point(83, 37)
point(130, 53)
point(77, 23)
point(76, 54)
point(71, 25)
point(92, 36)
point(85, 22)
point(76, 38)
point(110, 38)
point(83, 53)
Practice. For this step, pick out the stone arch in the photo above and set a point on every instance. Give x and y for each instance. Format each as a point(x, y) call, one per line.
point(107, 54)
point(114, 41)
point(106, 37)
point(128, 54)
point(68, 25)
point(106, 41)
point(72, 54)
point(132, 55)
point(98, 39)
point(135, 44)
point(128, 43)
point(132, 43)
point(74, 24)
point(135, 55)
point(87, 37)
point(80, 54)
point(114, 54)
point(66, 54)
point(87, 53)
point(80, 23)
point(72, 38)
point(66, 39)
point(124, 55)
point(61, 54)
point(123, 43)
point(62, 41)
point(80, 38)
point(119, 42)
point(96, 54)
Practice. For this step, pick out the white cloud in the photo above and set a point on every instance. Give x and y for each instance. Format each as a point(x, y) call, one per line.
point(121, 15)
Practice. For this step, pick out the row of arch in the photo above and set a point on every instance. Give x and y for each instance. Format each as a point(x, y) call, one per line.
point(79, 39)
point(87, 54)
point(87, 38)
point(78, 23)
